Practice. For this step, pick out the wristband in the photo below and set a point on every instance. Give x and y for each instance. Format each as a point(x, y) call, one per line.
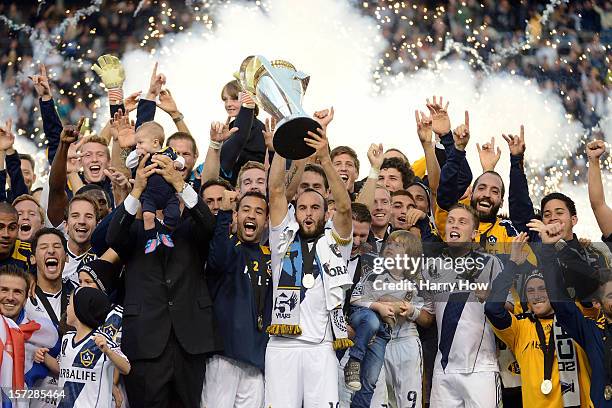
point(249, 105)
point(215, 145)
point(178, 118)
point(416, 312)
point(115, 96)
point(374, 173)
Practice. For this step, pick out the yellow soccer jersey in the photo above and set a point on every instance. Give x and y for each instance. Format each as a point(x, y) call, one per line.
point(521, 337)
point(20, 256)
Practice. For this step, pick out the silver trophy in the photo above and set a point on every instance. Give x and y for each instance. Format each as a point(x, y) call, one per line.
point(278, 88)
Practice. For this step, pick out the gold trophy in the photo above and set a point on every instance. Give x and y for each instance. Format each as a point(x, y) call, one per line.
point(278, 88)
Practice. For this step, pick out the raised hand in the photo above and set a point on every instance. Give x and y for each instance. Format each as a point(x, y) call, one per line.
point(439, 116)
point(518, 254)
point(155, 84)
point(167, 103)
point(516, 143)
point(220, 132)
point(488, 155)
point(228, 202)
point(268, 133)
point(324, 117)
point(424, 127)
point(117, 178)
point(7, 138)
point(376, 155)
point(595, 149)
point(131, 102)
point(550, 233)
point(461, 134)
point(110, 71)
point(247, 100)
point(70, 133)
point(318, 141)
point(41, 83)
point(73, 161)
point(123, 130)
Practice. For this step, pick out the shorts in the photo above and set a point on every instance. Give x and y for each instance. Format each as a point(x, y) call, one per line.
point(230, 383)
point(301, 375)
point(404, 371)
point(473, 390)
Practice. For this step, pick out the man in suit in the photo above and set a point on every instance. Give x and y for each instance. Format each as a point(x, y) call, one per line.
point(167, 318)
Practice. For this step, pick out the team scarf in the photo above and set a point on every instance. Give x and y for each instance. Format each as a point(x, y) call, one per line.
point(566, 356)
point(334, 275)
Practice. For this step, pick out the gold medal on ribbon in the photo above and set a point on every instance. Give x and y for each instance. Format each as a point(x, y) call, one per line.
point(546, 387)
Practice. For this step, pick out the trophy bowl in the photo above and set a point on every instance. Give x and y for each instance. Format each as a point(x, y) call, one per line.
point(289, 137)
point(278, 88)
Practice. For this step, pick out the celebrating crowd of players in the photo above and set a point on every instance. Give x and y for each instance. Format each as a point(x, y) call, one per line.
point(138, 278)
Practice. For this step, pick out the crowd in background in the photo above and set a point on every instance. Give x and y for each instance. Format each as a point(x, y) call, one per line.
point(569, 55)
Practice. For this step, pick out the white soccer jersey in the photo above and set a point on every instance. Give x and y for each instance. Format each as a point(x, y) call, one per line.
point(112, 325)
point(466, 343)
point(35, 307)
point(314, 316)
point(86, 374)
point(70, 274)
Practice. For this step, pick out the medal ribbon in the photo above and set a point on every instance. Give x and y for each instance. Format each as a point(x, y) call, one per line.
point(547, 349)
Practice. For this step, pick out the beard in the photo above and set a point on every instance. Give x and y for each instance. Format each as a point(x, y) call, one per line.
point(486, 216)
point(319, 228)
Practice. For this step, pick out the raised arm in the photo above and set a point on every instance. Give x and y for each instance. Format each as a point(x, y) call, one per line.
point(222, 247)
point(376, 158)
point(438, 122)
point(495, 306)
point(10, 159)
point(567, 313)
point(448, 194)
point(603, 213)
point(145, 112)
point(52, 126)
point(276, 191)
point(519, 202)
point(219, 133)
point(58, 199)
point(343, 223)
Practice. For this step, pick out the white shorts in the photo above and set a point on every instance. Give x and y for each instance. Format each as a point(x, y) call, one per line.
point(404, 371)
point(474, 390)
point(379, 399)
point(301, 373)
point(232, 384)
